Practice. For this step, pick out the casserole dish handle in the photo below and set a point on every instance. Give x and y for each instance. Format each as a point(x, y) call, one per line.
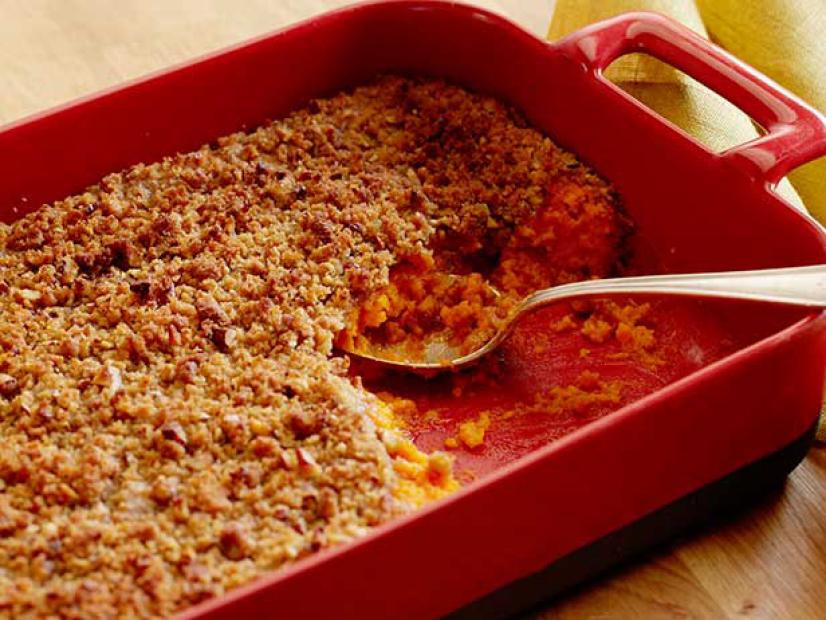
point(795, 132)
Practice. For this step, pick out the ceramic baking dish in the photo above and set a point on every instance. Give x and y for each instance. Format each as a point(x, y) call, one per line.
point(635, 477)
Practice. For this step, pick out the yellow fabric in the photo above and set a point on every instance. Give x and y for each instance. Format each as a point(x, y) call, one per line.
point(785, 39)
point(686, 103)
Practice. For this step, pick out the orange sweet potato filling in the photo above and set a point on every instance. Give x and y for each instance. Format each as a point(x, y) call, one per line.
point(422, 477)
point(576, 234)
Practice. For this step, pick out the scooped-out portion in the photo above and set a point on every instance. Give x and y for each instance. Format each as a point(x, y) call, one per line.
point(457, 293)
point(177, 415)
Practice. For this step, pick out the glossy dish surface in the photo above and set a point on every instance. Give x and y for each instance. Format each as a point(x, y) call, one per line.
point(671, 211)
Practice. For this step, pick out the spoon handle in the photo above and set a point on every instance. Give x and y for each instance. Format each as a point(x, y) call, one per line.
point(799, 286)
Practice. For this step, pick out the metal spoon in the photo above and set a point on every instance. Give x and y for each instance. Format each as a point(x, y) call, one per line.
point(797, 286)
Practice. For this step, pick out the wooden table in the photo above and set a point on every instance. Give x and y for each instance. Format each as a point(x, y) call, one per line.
point(767, 563)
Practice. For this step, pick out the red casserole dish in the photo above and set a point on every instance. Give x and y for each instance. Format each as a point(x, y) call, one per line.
point(628, 480)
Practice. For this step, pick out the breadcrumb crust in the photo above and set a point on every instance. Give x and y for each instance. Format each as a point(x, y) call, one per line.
point(175, 419)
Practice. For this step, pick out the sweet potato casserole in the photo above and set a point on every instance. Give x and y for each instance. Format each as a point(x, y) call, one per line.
point(176, 415)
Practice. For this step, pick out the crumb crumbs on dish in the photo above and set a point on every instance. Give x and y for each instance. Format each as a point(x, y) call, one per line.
point(175, 418)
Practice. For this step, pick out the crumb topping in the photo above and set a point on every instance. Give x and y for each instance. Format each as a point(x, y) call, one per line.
point(175, 418)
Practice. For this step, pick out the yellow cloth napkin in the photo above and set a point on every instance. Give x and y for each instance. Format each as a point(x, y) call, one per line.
point(785, 39)
point(686, 103)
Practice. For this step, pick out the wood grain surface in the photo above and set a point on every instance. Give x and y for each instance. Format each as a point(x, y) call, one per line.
point(769, 562)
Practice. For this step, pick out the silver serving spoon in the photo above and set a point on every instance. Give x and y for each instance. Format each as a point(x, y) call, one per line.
point(797, 286)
